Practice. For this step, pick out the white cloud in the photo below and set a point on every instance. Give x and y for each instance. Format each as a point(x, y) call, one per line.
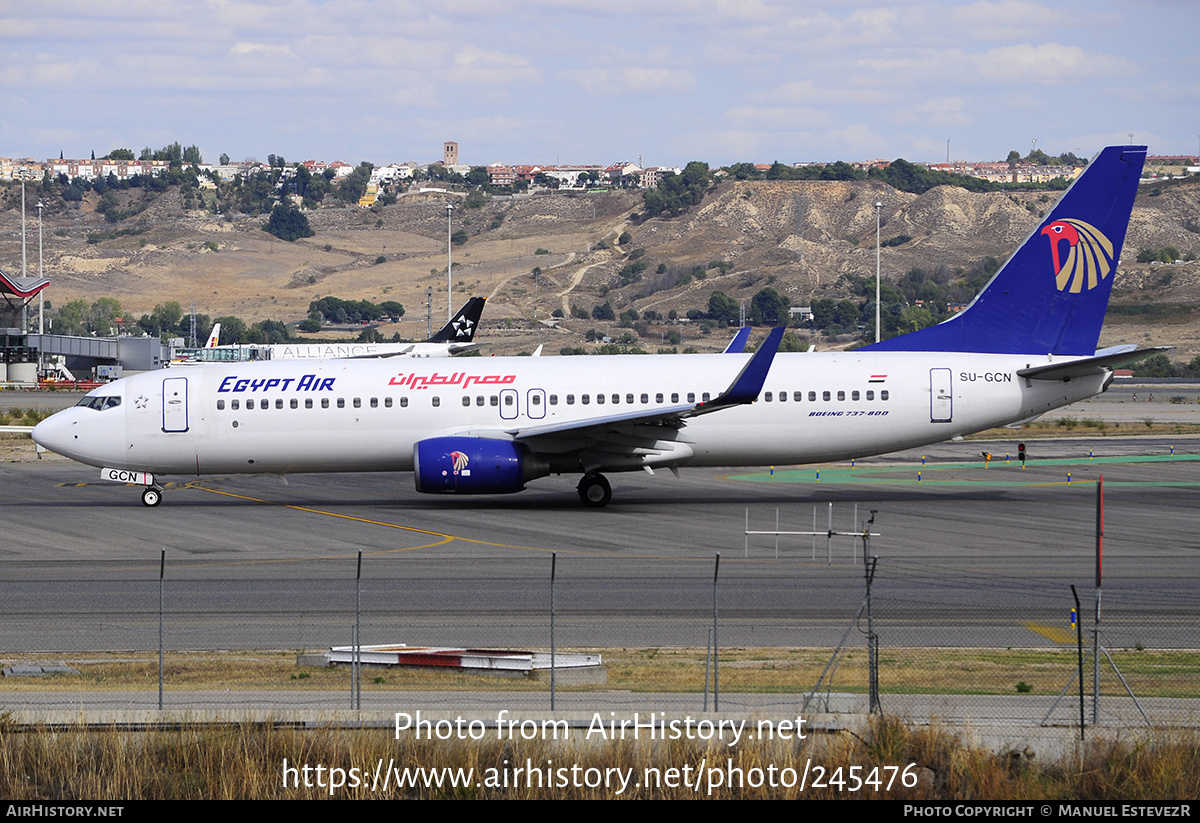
point(632, 80)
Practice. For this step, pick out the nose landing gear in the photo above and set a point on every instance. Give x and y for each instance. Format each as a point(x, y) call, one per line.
point(152, 496)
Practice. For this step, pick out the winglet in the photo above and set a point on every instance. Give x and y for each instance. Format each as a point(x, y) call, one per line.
point(738, 344)
point(749, 382)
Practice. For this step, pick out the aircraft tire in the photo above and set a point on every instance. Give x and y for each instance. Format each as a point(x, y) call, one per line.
point(151, 497)
point(594, 491)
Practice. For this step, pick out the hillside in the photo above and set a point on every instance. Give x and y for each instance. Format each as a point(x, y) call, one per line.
point(802, 238)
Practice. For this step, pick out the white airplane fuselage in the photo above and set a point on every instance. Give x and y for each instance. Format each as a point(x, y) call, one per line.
point(356, 415)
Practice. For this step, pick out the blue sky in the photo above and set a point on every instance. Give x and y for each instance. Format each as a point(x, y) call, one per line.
point(576, 81)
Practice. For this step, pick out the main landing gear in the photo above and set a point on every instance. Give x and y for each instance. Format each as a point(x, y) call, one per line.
point(594, 491)
point(152, 496)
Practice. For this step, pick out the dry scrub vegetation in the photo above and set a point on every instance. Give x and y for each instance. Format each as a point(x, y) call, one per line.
point(245, 762)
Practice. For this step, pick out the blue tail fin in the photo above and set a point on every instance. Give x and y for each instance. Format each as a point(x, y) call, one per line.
point(1052, 294)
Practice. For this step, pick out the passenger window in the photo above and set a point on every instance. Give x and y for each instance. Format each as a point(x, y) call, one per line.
point(645, 398)
point(233, 404)
point(841, 395)
point(704, 397)
point(798, 396)
point(294, 403)
point(599, 400)
point(404, 402)
point(675, 397)
point(767, 396)
point(374, 402)
point(279, 403)
point(585, 399)
point(466, 400)
point(536, 400)
point(825, 396)
point(854, 395)
point(883, 395)
point(249, 403)
point(220, 405)
point(324, 402)
point(508, 399)
point(494, 400)
point(629, 399)
point(570, 400)
point(358, 403)
point(554, 400)
point(658, 398)
point(616, 398)
point(783, 397)
point(870, 394)
point(812, 396)
point(308, 403)
point(387, 402)
point(479, 401)
point(437, 401)
point(691, 397)
point(341, 402)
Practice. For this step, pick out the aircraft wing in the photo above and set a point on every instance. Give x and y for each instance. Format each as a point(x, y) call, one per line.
point(633, 431)
point(400, 353)
point(1103, 360)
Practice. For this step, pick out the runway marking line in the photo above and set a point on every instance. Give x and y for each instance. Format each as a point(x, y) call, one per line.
point(906, 474)
point(447, 537)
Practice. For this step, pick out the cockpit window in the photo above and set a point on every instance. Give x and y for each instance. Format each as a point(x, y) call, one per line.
point(100, 403)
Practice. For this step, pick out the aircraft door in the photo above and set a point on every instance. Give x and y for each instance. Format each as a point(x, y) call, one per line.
point(941, 396)
point(508, 404)
point(535, 404)
point(175, 403)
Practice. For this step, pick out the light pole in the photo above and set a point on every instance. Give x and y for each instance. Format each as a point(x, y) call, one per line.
point(449, 265)
point(41, 299)
point(878, 209)
point(23, 271)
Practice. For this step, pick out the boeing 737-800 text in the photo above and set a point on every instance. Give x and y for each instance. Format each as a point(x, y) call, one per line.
point(1025, 345)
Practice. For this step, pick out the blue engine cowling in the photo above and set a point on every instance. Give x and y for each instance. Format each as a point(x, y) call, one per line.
point(473, 465)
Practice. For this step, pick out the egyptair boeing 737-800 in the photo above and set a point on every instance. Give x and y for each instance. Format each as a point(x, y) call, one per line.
point(1025, 345)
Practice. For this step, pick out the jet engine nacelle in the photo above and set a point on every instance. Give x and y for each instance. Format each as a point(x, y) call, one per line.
point(474, 465)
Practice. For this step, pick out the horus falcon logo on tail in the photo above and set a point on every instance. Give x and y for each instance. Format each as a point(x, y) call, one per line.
point(1089, 259)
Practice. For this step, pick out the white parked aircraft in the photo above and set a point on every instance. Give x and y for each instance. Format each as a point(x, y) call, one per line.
point(456, 337)
point(1026, 344)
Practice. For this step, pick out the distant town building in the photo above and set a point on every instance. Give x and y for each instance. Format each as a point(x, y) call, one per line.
point(450, 153)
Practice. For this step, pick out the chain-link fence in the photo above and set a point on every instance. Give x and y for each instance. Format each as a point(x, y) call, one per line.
point(970, 644)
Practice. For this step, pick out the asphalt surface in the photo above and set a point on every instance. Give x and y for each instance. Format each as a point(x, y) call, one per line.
point(969, 556)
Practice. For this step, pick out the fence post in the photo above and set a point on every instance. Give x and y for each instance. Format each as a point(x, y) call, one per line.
point(716, 645)
point(356, 680)
point(162, 565)
point(553, 660)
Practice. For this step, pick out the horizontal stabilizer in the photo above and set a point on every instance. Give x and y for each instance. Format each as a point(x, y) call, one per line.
point(1104, 360)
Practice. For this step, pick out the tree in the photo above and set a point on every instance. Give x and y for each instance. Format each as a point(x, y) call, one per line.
point(120, 154)
point(769, 306)
point(354, 185)
point(1014, 157)
point(477, 176)
point(288, 223)
point(723, 308)
point(224, 159)
point(233, 330)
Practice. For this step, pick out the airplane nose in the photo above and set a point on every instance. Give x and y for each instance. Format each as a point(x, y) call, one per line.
point(55, 432)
